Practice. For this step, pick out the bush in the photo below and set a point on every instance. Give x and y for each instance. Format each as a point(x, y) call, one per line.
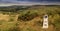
point(27, 16)
point(15, 28)
point(57, 24)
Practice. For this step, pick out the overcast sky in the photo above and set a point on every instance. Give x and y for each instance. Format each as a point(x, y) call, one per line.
point(31, 1)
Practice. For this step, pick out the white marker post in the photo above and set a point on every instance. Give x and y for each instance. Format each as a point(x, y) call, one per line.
point(45, 22)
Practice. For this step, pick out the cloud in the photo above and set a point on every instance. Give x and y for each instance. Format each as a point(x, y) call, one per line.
point(29, 2)
point(33, 0)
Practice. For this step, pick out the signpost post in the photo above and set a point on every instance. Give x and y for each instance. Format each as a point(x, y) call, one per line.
point(45, 22)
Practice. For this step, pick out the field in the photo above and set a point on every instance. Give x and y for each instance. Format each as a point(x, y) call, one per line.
point(29, 18)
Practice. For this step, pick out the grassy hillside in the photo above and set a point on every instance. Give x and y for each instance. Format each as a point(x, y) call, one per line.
point(29, 18)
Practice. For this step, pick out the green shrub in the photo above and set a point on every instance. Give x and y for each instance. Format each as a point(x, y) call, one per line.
point(57, 24)
point(27, 16)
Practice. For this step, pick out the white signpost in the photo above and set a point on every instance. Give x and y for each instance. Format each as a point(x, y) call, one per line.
point(45, 21)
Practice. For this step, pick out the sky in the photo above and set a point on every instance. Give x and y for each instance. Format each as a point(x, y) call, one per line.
point(31, 1)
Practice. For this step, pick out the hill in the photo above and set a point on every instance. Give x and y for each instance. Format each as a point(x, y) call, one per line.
point(29, 18)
